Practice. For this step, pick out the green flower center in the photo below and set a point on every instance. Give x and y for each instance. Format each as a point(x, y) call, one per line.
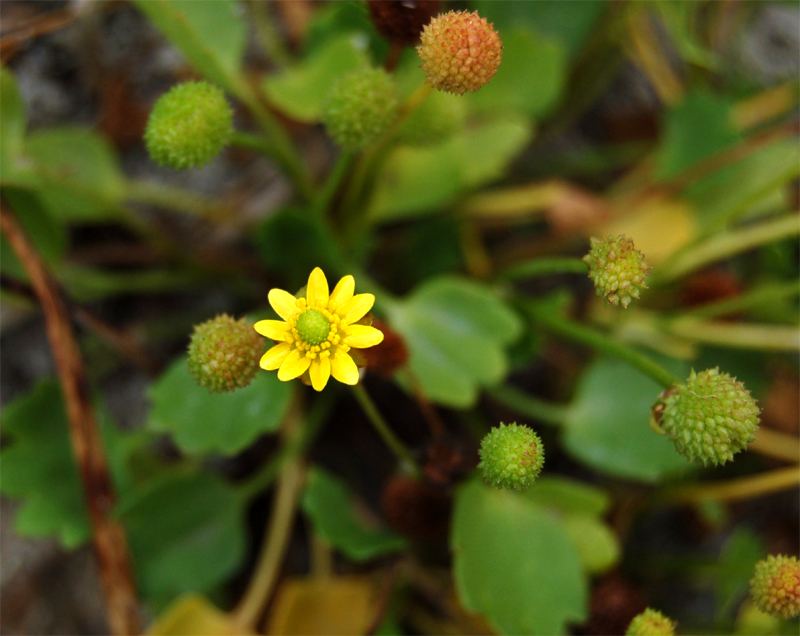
point(313, 327)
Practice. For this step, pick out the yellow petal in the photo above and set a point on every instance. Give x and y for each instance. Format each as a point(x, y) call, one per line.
point(293, 366)
point(342, 292)
point(275, 329)
point(273, 358)
point(320, 371)
point(344, 369)
point(356, 308)
point(317, 290)
point(362, 336)
point(283, 303)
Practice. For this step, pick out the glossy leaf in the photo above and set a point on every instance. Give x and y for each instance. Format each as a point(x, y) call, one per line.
point(211, 35)
point(456, 331)
point(186, 530)
point(301, 91)
point(39, 467)
point(333, 512)
point(81, 179)
point(514, 563)
point(608, 424)
point(417, 181)
point(226, 423)
point(529, 81)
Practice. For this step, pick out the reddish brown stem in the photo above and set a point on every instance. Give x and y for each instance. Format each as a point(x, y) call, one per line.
point(110, 543)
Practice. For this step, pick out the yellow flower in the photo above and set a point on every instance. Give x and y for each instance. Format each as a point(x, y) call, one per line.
point(317, 331)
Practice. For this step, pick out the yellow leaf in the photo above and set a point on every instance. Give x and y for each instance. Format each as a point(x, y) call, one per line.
point(195, 614)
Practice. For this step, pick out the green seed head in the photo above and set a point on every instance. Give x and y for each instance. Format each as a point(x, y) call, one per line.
point(617, 269)
point(511, 456)
point(313, 327)
point(189, 126)
point(710, 418)
point(224, 353)
point(775, 587)
point(436, 120)
point(360, 107)
point(651, 623)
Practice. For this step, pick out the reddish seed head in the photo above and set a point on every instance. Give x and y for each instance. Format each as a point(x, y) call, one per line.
point(776, 586)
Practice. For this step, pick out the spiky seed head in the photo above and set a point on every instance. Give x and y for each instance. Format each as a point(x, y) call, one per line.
point(710, 418)
point(511, 456)
point(617, 269)
point(651, 623)
point(189, 126)
point(360, 107)
point(460, 51)
point(224, 353)
point(401, 21)
point(775, 587)
point(436, 120)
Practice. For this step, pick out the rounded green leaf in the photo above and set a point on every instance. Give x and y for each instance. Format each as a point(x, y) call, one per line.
point(225, 423)
point(597, 546)
point(514, 564)
point(332, 510)
point(608, 424)
point(456, 331)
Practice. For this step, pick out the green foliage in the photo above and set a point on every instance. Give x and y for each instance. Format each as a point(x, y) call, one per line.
point(336, 517)
point(418, 181)
point(456, 331)
point(39, 468)
point(211, 35)
point(607, 429)
point(301, 91)
point(513, 562)
point(186, 530)
point(201, 422)
point(13, 124)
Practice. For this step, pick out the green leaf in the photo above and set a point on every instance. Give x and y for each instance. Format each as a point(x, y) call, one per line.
point(301, 91)
point(736, 564)
point(13, 123)
point(351, 17)
point(334, 513)
point(571, 23)
point(514, 564)
point(226, 423)
point(186, 530)
point(81, 179)
point(530, 80)
point(579, 506)
point(211, 35)
point(608, 424)
point(48, 235)
point(698, 127)
point(416, 181)
point(456, 331)
point(38, 466)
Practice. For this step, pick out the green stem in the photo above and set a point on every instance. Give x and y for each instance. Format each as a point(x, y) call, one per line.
point(170, 198)
point(325, 197)
point(545, 267)
point(382, 428)
point(727, 244)
point(760, 297)
point(737, 335)
point(251, 141)
point(540, 410)
point(602, 343)
point(737, 489)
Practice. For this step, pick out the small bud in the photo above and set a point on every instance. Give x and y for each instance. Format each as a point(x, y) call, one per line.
point(511, 456)
point(189, 126)
point(401, 21)
point(460, 52)
point(776, 586)
point(360, 107)
point(436, 120)
point(710, 418)
point(617, 269)
point(224, 353)
point(651, 623)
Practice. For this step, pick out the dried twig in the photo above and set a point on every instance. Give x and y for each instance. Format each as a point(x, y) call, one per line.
point(109, 538)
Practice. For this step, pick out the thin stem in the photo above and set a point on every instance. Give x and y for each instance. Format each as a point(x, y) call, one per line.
point(539, 410)
point(775, 444)
point(601, 342)
point(760, 297)
point(545, 267)
point(321, 557)
point(326, 196)
point(382, 428)
point(727, 244)
point(737, 335)
point(737, 489)
point(170, 197)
